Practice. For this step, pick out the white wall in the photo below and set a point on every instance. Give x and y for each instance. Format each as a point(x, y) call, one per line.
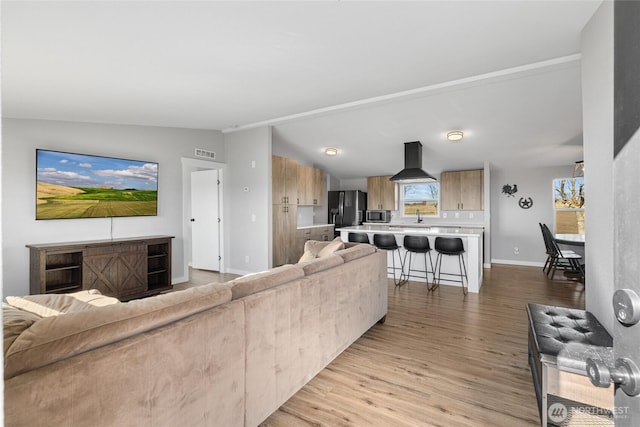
point(248, 241)
point(512, 226)
point(20, 138)
point(354, 184)
point(597, 110)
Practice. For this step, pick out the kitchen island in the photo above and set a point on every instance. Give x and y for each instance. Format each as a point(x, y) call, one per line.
point(471, 238)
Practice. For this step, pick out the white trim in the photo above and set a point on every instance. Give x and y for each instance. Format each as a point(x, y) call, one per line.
point(486, 265)
point(516, 262)
point(407, 94)
point(178, 280)
point(240, 272)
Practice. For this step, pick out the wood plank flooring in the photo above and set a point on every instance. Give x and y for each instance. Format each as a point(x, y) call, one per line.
point(441, 359)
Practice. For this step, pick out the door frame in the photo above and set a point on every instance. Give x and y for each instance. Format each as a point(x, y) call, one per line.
point(191, 165)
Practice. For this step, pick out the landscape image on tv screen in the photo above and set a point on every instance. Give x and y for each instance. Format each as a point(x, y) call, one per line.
point(84, 186)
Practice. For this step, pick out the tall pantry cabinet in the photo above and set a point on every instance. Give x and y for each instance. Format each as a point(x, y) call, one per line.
point(284, 183)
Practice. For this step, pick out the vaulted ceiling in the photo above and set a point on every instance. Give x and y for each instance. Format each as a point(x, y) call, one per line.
point(363, 77)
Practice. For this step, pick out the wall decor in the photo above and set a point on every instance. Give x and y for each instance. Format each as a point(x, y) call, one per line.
point(525, 203)
point(72, 185)
point(510, 190)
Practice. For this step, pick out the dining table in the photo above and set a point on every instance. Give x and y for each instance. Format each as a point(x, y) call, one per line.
point(574, 242)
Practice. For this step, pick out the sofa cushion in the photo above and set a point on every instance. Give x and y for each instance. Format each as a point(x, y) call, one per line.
point(58, 337)
point(256, 282)
point(46, 305)
point(355, 252)
point(14, 322)
point(320, 264)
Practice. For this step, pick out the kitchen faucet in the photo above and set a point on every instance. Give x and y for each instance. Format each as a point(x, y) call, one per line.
point(418, 213)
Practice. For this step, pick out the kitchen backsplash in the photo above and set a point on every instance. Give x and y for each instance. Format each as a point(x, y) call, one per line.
point(308, 215)
point(446, 217)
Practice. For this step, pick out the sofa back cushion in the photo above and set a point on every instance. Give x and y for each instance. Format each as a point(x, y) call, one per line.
point(256, 282)
point(320, 264)
point(356, 251)
point(54, 338)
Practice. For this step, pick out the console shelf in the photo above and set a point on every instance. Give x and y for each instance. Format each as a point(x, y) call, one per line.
point(122, 268)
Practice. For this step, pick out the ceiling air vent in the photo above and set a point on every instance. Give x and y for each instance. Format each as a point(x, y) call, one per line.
point(205, 154)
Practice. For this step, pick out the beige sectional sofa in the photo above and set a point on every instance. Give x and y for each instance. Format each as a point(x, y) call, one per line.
point(216, 355)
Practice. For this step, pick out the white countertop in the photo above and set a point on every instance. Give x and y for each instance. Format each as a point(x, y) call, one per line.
point(315, 226)
point(414, 229)
point(425, 225)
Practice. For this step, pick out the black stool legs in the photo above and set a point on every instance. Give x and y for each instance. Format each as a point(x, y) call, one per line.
point(419, 244)
point(388, 242)
point(452, 246)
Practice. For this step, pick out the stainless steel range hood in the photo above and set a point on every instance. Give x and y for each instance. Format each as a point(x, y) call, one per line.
point(412, 171)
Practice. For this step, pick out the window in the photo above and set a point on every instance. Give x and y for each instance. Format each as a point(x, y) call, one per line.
point(568, 205)
point(423, 197)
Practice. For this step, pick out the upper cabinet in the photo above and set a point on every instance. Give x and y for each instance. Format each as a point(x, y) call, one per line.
point(462, 190)
point(310, 186)
point(284, 180)
point(381, 193)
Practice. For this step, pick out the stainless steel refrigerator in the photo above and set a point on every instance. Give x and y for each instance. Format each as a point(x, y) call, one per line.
point(346, 208)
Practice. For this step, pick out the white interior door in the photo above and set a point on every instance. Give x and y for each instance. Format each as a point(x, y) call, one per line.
point(205, 225)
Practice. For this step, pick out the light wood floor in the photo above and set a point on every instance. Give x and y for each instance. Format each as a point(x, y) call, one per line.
point(441, 359)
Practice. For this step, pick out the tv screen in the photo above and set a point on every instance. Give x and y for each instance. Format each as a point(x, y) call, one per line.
point(73, 185)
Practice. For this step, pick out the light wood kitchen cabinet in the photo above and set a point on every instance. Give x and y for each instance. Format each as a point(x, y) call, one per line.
point(293, 185)
point(323, 234)
point(284, 180)
point(318, 187)
point(285, 218)
point(462, 190)
point(310, 186)
point(381, 193)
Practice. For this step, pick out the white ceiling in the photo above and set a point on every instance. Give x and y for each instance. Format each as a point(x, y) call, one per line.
point(361, 76)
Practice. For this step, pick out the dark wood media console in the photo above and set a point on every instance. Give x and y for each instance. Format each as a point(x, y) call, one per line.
point(123, 268)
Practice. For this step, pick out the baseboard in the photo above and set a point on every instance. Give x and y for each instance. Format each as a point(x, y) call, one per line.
point(515, 262)
point(176, 280)
point(239, 272)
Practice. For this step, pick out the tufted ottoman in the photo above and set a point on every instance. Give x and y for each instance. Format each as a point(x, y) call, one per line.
point(560, 341)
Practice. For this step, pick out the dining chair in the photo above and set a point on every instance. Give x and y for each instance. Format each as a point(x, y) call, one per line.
point(566, 260)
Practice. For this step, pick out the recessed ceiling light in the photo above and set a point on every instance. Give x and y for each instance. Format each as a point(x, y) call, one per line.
point(455, 135)
point(331, 151)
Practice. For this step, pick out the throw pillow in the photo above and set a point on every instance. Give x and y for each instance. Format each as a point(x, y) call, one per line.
point(94, 297)
point(46, 305)
point(335, 245)
point(307, 256)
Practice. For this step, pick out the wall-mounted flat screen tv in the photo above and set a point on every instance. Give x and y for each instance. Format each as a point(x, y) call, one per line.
point(73, 185)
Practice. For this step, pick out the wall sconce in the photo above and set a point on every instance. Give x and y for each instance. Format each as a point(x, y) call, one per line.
point(578, 169)
point(331, 151)
point(455, 135)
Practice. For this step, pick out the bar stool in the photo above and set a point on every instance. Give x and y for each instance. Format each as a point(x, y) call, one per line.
point(452, 246)
point(388, 242)
point(419, 245)
point(359, 237)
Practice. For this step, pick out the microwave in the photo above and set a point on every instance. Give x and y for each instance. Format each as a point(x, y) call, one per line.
point(378, 216)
